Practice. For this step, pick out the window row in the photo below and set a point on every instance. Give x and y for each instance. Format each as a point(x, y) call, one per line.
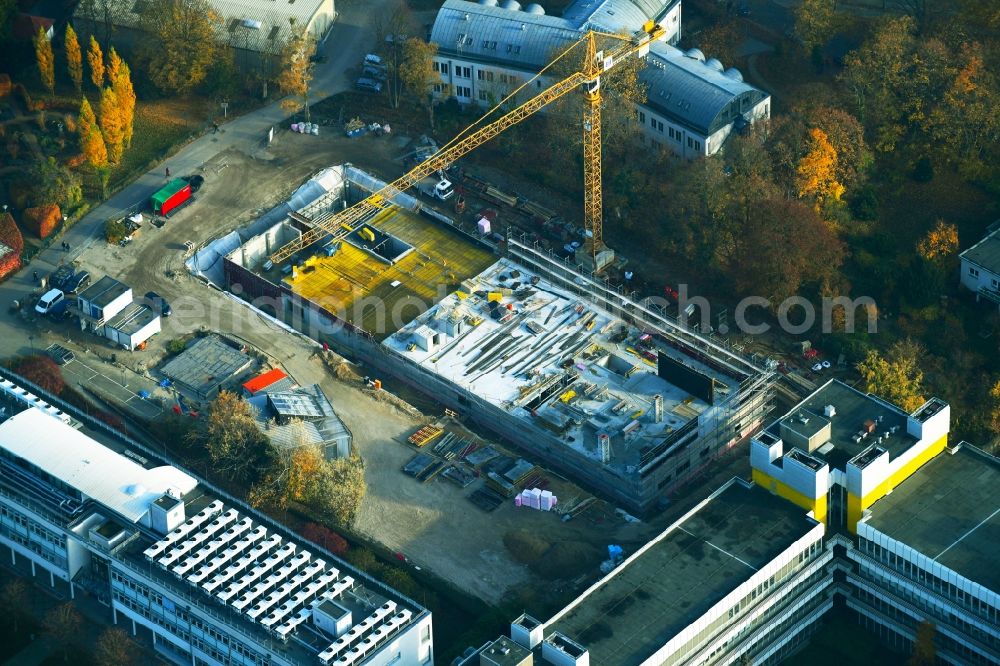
point(928, 580)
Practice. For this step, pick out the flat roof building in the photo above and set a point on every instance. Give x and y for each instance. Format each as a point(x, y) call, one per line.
point(718, 579)
point(101, 301)
point(748, 576)
point(202, 576)
point(840, 450)
point(206, 366)
point(133, 326)
point(928, 553)
point(273, 380)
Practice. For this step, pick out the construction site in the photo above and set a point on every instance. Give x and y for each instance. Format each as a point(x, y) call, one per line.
point(536, 347)
point(574, 373)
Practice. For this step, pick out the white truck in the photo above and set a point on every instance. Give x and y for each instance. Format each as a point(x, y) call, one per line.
point(436, 187)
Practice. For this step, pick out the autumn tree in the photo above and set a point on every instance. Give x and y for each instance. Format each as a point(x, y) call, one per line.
point(875, 73)
point(45, 60)
point(112, 125)
point(120, 78)
point(74, 58)
point(779, 246)
point(416, 71)
point(115, 648)
point(940, 243)
point(233, 440)
point(721, 41)
point(95, 58)
point(63, 624)
point(91, 140)
point(41, 371)
point(112, 65)
point(391, 25)
point(297, 69)
point(340, 489)
point(293, 478)
point(966, 122)
point(993, 416)
point(183, 42)
point(815, 22)
point(847, 136)
point(14, 600)
point(817, 171)
point(897, 376)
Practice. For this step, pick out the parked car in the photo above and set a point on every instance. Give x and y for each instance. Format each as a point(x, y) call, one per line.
point(76, 283)
point(374, 62)
point(158, 303)
point(195, 182)
point(52, 302)
point(373, 73)
point(369, 85)
point(59, 277)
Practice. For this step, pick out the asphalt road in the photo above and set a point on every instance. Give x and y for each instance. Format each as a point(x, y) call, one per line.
point(346, 43)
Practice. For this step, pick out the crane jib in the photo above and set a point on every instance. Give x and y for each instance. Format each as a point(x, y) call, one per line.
point(339, 225)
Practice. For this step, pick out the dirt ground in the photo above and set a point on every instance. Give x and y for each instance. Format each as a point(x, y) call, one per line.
point(431, 523)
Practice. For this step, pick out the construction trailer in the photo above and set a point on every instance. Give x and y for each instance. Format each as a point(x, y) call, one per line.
point(170, 197)
point(133, 326)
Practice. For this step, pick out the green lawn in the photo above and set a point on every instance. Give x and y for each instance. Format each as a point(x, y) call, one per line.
point(160, 127)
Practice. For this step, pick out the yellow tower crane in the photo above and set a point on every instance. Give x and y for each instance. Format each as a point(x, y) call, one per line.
point(340, 224)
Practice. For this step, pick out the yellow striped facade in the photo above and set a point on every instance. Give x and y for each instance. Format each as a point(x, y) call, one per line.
point(817, 505)
point(857, 505)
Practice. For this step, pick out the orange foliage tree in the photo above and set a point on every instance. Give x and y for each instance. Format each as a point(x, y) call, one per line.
point(42, 220)
point(95, 58)
point(120, 78)
point(95, 151)
point(74, 58)
point(817, 170)
point(112, 125)
point(941, 242)
point(10, 236)
point(46, 61)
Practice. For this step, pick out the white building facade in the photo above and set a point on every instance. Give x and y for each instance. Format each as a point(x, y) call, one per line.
point(486, 51)
point(980, 268)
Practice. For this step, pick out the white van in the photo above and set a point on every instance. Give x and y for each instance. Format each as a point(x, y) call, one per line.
point(52, 301)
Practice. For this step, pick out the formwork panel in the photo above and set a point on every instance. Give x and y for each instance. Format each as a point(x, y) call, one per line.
point(380, 296)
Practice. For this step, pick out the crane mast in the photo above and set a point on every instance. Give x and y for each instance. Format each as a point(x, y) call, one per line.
point(593, 203)
point(338, 225)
